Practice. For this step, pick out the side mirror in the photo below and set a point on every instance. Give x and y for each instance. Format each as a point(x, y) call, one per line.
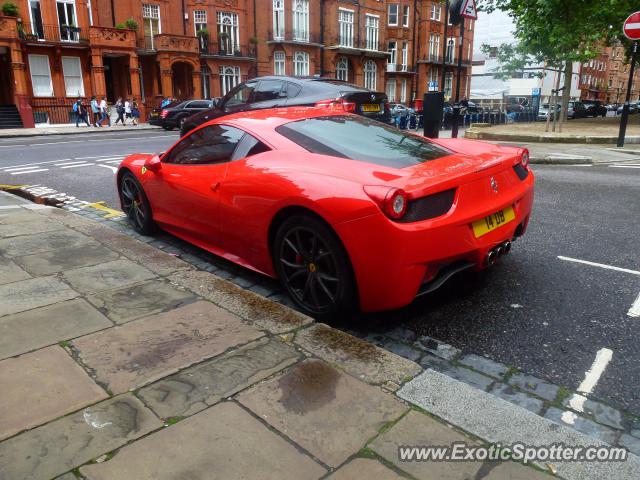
point(153, 163)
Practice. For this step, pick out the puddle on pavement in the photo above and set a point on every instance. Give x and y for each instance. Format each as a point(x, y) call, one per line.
point(308, 387)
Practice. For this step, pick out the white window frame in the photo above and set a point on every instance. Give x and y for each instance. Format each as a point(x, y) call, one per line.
point(434, 46)
point(345, 27)
point(434, 76)
point(342, 69)
point(390, 15)
point(372, 31)
point(403, 90)
point(65, 74)
point(370, 75)
point(229, 78)
point(149, 11)
point(30, 56)
point(390, 90)
point(450, 53)
point(300, 64)
point(279, 63)
point(300, 19)
point(448, 84)
point(205, 75)
point(279, 28)
point(405, 15)
point(392, 49)
point(405, 56)
point(229, 23)
point(436, 12)
point(198, 16)
point(74, 37)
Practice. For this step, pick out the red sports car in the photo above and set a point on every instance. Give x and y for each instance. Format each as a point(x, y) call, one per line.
point(344, 210)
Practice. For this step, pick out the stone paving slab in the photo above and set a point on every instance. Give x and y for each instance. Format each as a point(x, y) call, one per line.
point(507, 392)
point(43, 242)
point(582, 424)
point(418, 429)
point(534, 385)
point(26, 331)
point(66, 443)
point(264, 313)
point(327, 412)
point(364, 469)
point(146, 350)
point(199, 387)
point(9, 230)
point(222, 442)
point(601, 413)
point(484, 365)
point(65, 259)
point(514, 471)
point(357, 357)
point(125, 304)
point(10, 272)
point(105, 276)
point(33, 293)
point(40, 386)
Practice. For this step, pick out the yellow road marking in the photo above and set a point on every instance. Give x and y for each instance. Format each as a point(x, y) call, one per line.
point(11, 187)
point(103, 208)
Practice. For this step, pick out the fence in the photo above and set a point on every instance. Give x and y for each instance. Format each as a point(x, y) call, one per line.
point(53, 110)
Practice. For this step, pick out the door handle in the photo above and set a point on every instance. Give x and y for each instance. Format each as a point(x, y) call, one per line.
point(215, 186)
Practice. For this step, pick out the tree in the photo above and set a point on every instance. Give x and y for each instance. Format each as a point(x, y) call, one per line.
point(564, 31)
point(511, 59)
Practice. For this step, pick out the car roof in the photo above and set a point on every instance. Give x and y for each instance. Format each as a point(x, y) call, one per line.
point(271, 118)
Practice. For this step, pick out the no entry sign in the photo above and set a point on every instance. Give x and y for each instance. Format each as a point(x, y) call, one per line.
point(631, 27)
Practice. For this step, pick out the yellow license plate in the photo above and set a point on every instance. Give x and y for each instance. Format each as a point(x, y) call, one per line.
point(370, 107)
point(154, 114)
point(493, 221)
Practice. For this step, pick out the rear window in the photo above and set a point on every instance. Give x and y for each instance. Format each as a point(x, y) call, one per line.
point(358, 138)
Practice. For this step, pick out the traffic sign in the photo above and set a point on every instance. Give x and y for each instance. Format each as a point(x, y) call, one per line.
point(631, 26)
point(469, 10)
point(535, 92)
point(433, 86)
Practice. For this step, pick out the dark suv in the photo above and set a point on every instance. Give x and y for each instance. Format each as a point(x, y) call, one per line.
point(595, 108)
point(281, 91)
point(174, 114)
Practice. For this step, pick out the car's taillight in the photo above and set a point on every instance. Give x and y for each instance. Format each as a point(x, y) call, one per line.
point(164, 113)
point(337, 104)
point(524, 158)
point(392, 201)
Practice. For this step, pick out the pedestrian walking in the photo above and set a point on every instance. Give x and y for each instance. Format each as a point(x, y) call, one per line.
point(127, 111)
point(104, 112)
point(135, 114)
point(120, 111)
point(95, 110)
point(81, 112)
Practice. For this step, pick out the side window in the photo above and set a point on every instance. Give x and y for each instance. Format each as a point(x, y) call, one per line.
point(269, 90)
point(249, 146)
point(200, 104)
point(292, 90)
point(240, 95)
point(209, 145)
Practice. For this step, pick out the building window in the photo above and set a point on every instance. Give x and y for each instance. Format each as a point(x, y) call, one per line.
point(403, 91)
point(405, 57)
point(199, 20)
point(391, 90)
point(450, 54)
point(370, 71)
point(228, 32)
point(301, 64)
point(434, 47)
point(405, 16)
point(301, 20)
point(345, 23)
point(392, 48)
point(40, 76)
point(206, 81)
point(229, 78)
point(67, 19)
point(434, 80)
point(372, 23)
point(279, 63)
point(72, 72)
point(393, 14)
point(448, 84)
point(342, 69)
point(436, 10)
point(278, 19)
point(151, 23)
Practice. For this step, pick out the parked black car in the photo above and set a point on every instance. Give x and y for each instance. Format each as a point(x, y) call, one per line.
point(174, 114)
point(595, 108)
point(280, 91)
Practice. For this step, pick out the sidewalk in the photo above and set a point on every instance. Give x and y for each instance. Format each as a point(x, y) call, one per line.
point(121, 361)
point(70, 130)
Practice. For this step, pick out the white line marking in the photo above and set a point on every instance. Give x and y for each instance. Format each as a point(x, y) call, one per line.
point(601, 265)
point(632, 26)
point(591, 377)
point(634, 311)
point(113, 169)
point(69, 163)
point(624, 166)
point(9, 146)
point(114, 161)
point(110, 158)
point(30, 171)
point(81, 165)
point(19, 168)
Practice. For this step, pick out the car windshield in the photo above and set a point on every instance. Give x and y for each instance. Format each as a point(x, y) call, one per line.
point(358, 138)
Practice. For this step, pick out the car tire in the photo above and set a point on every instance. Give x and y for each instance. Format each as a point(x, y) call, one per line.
point(313, 267)
point(135, 205)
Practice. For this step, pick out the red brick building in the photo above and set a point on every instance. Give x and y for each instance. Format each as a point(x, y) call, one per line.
point(58, 50)
point(594, 75)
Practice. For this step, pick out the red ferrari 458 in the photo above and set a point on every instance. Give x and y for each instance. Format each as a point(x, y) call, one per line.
point(343, 210)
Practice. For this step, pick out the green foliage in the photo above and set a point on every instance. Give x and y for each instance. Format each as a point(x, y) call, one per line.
point(121, 26)
point(253, 40)
point(511, 58)
point(10, 9)
point(131, 24)
point(203, 32)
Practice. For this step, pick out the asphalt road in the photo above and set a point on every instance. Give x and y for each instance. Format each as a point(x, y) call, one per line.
point(548, 316)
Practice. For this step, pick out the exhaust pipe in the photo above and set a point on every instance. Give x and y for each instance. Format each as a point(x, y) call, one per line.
point(491, 257)
point(506, 247)
point(498, 251)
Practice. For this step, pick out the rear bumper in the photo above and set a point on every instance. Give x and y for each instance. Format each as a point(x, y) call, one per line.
point(394, 262)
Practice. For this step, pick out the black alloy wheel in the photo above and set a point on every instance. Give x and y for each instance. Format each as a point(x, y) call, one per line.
point(136, 205)
point(313, 267)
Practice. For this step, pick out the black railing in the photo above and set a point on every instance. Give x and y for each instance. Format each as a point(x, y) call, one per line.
point(54, 110)
point(213, 49)
point(449, 60)
point(53, 33)
point(295, 36)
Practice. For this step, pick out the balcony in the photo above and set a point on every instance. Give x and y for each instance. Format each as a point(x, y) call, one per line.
point(112, 37)
point(399, 68)
point(364, 47)
point(8, 27)
point(210, 49)
point(66, 34)
point(295, 37)
point(450, 61)
point(168, 43)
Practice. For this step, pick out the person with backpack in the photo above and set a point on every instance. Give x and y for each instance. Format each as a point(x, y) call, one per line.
point(81, 112)
point(95, 110)
point(120, 111)
point(104, 112)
